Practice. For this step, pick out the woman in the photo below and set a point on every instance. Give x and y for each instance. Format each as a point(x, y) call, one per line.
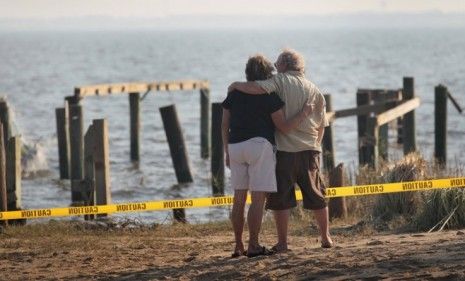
point(248, 126)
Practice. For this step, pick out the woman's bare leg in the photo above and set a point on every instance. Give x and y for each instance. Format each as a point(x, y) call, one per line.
point(237, 218)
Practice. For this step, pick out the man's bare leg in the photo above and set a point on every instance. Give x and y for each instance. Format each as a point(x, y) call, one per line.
point(254, 220)
point(237, 219)
point(281, 218)
point(322, 220)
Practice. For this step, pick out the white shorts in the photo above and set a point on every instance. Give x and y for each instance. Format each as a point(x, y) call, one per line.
point(253, 164)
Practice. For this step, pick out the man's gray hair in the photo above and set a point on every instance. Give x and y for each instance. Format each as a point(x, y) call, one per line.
point(293, 60)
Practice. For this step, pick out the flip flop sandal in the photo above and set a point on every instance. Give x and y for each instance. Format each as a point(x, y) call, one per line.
point(327, 245)
point(238, 254)
point(263, 252)
point(275, 250)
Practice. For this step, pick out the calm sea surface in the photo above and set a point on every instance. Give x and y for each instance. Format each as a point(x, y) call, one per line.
point(37, 70)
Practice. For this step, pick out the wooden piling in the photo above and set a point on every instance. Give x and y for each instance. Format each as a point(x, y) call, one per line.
point(89, 170)
point(178, 151)
point(134, 107)
point(5, 120)
point(217, 157)
point(72, 100)
point(62, 123)
point(101, 157)
point(408, 126)
point(76, 128)
point(13, 173)
point(440, 124)
point(327, 142)
point(204, 123)
point(371, 141)
point(400, 121)
point(3, 191)
point(383, 144)
point(180, 215)
point(176, 143)
point(337, 206)
point(363, 98)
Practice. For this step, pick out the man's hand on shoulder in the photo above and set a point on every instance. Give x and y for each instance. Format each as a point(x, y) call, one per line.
point(249, 87)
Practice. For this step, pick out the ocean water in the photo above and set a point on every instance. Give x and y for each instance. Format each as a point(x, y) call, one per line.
point(38, 69)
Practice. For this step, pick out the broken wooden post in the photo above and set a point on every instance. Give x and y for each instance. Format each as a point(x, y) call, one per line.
point(400, 121)
point(204, 123)
point(134, 105)
point(101, 157)
point(383, 144)
point(89, 170)
point(62, 123)
point(176, 143)
point(13, 173)
point(3, 192)
point(179, 215)
point(5, 120)
point(440, 124)
point(76, 128)
point(337, 206)
point(328, 143)
point(371, 142)
point(363, 98)
point(217, 157)
point(178, 151)
point(408, 126)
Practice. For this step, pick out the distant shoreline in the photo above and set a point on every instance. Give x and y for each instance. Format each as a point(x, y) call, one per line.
point(432, 19)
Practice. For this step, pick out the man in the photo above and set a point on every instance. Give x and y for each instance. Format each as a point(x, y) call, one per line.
point(299, 150)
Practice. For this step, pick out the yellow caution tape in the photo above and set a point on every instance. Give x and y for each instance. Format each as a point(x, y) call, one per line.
point(333, 192)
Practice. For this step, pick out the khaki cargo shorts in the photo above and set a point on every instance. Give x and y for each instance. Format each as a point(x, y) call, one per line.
point(301, 168)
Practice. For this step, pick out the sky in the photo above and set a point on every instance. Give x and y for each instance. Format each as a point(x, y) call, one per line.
point(208, 14)
point(47, 9)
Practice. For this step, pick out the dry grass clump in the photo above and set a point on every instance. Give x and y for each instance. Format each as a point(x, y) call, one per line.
point(388, 206)
point(427, 210)
point(442, 209)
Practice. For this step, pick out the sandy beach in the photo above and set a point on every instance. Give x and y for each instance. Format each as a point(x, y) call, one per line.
point(82, 252)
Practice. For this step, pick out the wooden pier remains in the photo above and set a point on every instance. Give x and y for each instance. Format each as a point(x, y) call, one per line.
point(10, 158)
point(134, 89)
point(441, 95)
point(217, 158)
point(337, 206)
point(375, 109)
point(328, 142)
point(95, 188)
point(70, 133)
point(62, 123)
point(408, 121)
point(3, 193)
point(176, 143)
point(76, 141)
